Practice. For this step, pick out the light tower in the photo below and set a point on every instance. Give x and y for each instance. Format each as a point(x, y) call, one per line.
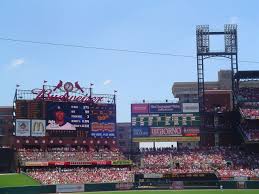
point(203, 35)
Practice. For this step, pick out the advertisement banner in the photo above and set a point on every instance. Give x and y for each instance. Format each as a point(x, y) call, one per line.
point(121, 162)
point(190, 107)
point(36, 164)
point(140, 131)
point(165, 131)
point(153, 176)
point(177, 185)
point(103, 120)
point(38, 128)
point(58, 163)
point(139, 108)
point(165, 139)
point(190, 130)
point(67, 116)
point(23, 127)
point(165, 108)
point(69, 188)
point(124, 186)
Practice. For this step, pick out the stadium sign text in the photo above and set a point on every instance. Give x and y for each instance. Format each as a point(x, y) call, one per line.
point(48, 95)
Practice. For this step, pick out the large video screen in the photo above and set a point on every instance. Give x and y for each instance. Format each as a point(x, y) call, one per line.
point(67, 116)
point(103, 120)
point(165, 122)
point(98, 120)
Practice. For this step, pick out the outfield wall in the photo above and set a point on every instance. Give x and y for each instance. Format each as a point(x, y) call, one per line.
point(120, 186)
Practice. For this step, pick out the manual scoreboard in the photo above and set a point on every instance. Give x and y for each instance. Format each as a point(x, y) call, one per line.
point(164, 120)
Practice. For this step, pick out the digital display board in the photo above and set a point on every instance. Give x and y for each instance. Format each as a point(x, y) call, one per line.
point(29, 109)
point(36, 110)
point(22, 109)
point(165, 108)
point(103, 120)
point(67, 116)
point(97, 120)
point(158, 121)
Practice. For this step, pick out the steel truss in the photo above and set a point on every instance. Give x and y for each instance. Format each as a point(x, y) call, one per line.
point(203, 52)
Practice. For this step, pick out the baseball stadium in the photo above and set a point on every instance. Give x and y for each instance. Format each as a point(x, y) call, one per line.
point(65, 138)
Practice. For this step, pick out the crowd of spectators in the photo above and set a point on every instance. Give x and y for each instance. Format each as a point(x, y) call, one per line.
point(250, 113)
point(223, 160)
point(250, 129)
point(248, 94)
point(252, 134)
point(81, 175)
point(68, 154)
point(217, 109)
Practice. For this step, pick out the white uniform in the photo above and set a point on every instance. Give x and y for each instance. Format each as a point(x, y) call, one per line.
point(53, 126)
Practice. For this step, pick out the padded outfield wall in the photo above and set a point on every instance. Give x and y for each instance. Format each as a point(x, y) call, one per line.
point(120, 186)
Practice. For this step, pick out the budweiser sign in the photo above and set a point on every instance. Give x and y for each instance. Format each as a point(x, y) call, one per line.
point(64, 93)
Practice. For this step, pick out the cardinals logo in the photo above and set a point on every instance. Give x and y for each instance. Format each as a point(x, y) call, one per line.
point(68, 87)
point(78, 87)
point(60, 84)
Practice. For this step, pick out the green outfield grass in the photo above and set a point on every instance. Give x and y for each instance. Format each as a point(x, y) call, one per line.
point(15, 180)
point(180, 192)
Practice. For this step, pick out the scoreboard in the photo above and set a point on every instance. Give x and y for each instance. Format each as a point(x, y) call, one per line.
point(165, 120)
point(36, 110)
point(35, 117)
point(29, 109)
point(22, 109)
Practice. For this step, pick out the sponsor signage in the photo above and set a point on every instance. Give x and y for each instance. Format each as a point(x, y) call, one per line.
point(166, 139)
point(66, 93)
point(70, 188)
point(190, 107)
point(139, 108)
point(83, 163)
point(165, 108)
point(153, 176)
point(38, 128)
point(177, 185)
point(23, 127)
point(36, 164)
point(240, 178)
point(122, 162)
point(103, 120)
point(191, 130)
point(124, 186)
point(140, 131)
point(165, 131)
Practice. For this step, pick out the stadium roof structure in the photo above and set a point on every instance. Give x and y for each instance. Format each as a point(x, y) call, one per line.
point(247, 75)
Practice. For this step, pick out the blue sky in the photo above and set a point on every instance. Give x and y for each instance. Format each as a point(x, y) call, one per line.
point(155, 26)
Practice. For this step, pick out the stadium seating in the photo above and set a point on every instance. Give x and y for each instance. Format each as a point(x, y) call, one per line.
point(248, 94)
point(81, 175)
point(250, 113)
point(65, 154)
point(223, 160)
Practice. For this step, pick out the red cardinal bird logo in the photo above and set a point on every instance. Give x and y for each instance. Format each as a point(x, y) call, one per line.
point(79, 87)
point(58, 86)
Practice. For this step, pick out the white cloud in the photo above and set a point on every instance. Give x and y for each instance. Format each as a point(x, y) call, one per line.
point(107, 82)
point(234, 20)
point(16, 63)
